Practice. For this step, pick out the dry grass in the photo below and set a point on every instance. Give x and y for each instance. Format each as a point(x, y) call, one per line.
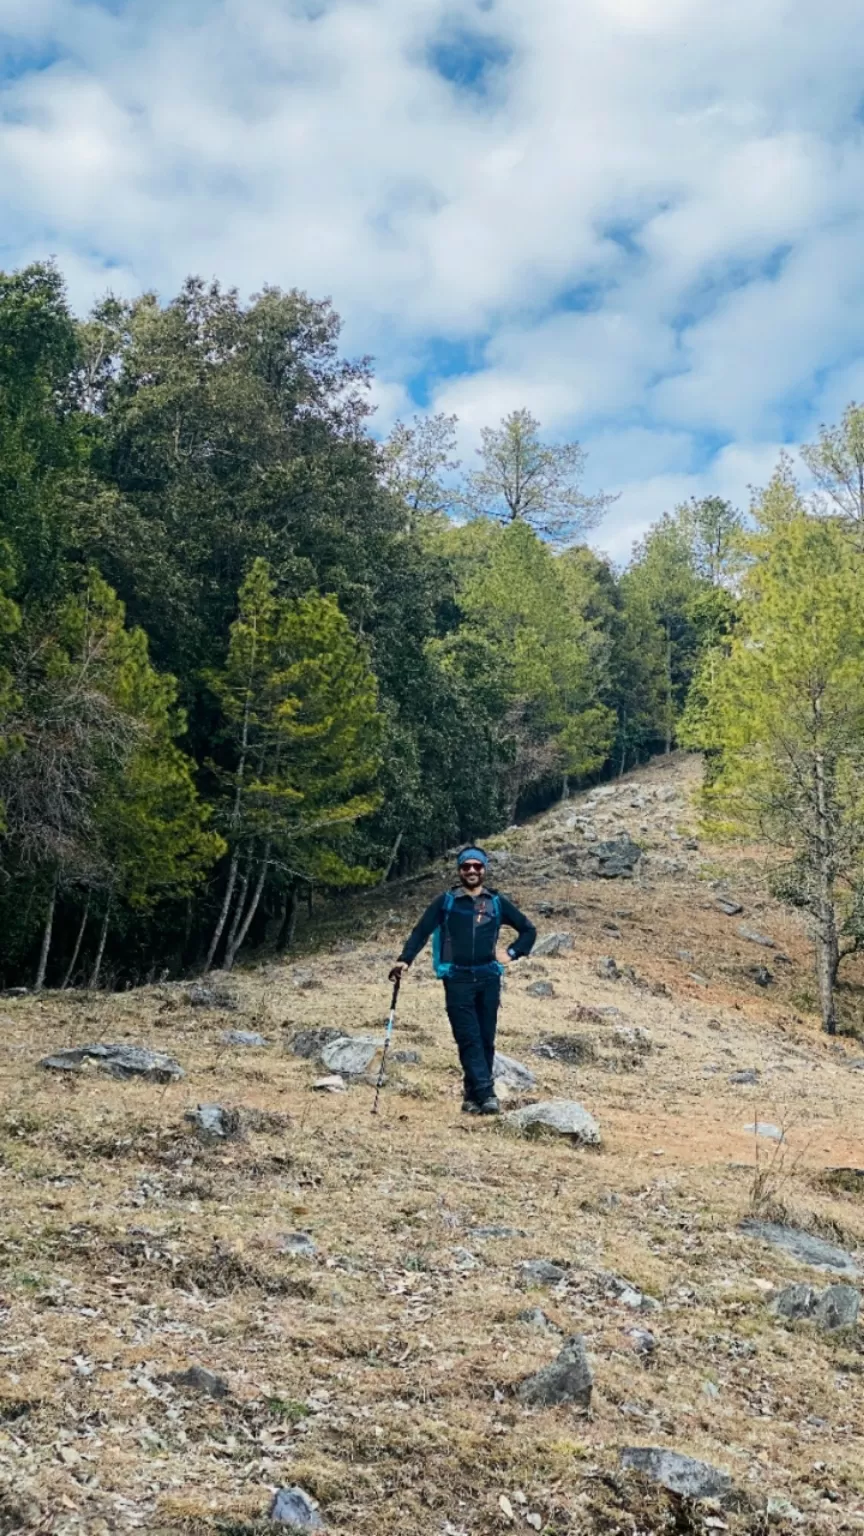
point(379, 1375)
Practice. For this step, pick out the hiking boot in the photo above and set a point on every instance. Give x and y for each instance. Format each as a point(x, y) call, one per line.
point(470, 1108)
point(490, 1106)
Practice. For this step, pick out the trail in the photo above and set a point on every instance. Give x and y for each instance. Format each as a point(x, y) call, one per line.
point(379, 1372)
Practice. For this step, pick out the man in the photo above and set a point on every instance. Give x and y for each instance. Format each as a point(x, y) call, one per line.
point(465, 923)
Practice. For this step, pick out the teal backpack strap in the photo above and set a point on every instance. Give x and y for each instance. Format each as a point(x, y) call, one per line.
point(442, 967)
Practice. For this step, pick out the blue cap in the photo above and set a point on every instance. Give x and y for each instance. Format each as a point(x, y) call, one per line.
point(472, 853)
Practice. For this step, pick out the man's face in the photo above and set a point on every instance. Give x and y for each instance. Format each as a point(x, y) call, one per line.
point(472, 874)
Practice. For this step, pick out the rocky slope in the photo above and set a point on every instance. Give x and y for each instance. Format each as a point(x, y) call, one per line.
point(418, 1323)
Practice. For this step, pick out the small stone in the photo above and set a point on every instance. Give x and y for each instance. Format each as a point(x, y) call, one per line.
point(540, 989)
point(497, 1232)
point(728, 908)
point(303, 980)
point(802, 1246)
point(350, 1055)
point(766, 1129)
point(196, 1379)
point(244, 1037)
point(572, 1049)
point(608, 969)
point(407, 1058)
point(794, 1302)
point(332, 1084)
point(633, 1036)
point(201, 996)
point(562, 1117)
point(838, 1307)
point(755, 938)
point(299, 1244)
point(121, 1061)
point(535, 1317)
point(749, 1077)
point(465, 1260)
point(567, 1380)
point(294, 1508)
point(214, 1123)
point(506, 1070)
point(541, 1272)
point(643, 1340)
point(553, 944)
point(762, 976)
point(309, 1043)
point(680, 1474)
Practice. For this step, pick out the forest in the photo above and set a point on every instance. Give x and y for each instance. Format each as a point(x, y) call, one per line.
point(250, 652)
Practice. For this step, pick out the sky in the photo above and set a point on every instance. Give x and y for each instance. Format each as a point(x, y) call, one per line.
point(641, 219)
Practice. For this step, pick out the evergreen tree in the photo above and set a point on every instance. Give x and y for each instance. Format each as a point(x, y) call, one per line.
point(523, 479)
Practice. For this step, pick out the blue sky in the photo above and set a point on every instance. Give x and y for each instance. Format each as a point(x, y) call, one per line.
point(642, 219)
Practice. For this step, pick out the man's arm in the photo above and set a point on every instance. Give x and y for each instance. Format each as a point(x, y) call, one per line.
point(524, 927)
point(424, 930)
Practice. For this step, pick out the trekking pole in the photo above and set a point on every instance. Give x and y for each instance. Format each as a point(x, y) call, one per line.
point(391, 1020)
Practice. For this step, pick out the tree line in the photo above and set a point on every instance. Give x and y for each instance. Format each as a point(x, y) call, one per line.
point(247, 651)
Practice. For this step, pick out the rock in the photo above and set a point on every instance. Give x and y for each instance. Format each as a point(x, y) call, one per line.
point(294, 1508)
point(333, 1084)
point(196, 1379)
point(802, 1246)
point(201, 996)
point(407, 1058)
point(540, 989)
point(617, 858)
point(755, 938)
point(535, 1317)
point(634, 1037)
point(728, 908)
point(749, 1077)
point(608, 969)
point(506, 1070)
point(562, 1117)
point(680, 1474)
point(309, 1043)
point(567, 1380)
point(350, 1055)
point(572, 1049)
point(629, 1295)
point(298, 1244)
point(794, 1302)
point(766, 1129)
point(838, 1307)
point(643, 1340)
point(214, 1123)
point(541, 1272)
point(464, 1260)
point(303, 980)
point(553, 944)
point(500, 1232)
point(761, 975)
point(246, 1037)
point(119, 1060)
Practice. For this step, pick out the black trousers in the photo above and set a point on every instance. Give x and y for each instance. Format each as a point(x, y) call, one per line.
point(472, 1008)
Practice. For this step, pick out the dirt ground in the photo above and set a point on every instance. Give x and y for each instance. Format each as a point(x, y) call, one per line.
point(378, 1374)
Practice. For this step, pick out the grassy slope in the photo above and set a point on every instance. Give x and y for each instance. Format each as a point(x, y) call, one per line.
point(378, 1375)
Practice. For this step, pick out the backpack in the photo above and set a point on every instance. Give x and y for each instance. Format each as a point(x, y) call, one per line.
point(444, 968)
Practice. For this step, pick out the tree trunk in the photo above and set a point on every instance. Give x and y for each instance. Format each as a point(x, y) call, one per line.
point(240, 905)
point(827, 943)
point(392, 859)
point(669, 700)
point(237, 944)
point(565, 787)
point(622, 765)
point(46, 935)
point(223, 915)
point(77, 950)
point(103, 939)
point(289, 922)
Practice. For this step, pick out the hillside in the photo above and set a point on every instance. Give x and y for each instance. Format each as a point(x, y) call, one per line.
point(375, 1365)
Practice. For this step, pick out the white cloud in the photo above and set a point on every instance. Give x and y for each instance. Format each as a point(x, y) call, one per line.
point(695, 170)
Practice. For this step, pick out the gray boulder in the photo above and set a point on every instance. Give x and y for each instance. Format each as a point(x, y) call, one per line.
point(300, 1244)
point(121, 1061)
point(294, 1508)
point(214, 1123)
point(753, 937)
point(616, 858)
point(575, 1050)
point(766, 1129)
point(838, 1307)
point(407, 1058)
point(540, 989)
point(749, 1077)
point(541, 1272)
point(309, 1043)
point(560, 1117)
point(728, 908)
point(200, 995)
point(535, 1317)
point(553, 944)
point(497, 1232)
point(802, 1246)
point(567, 1380)
point(794, 1302)
point(680, 1474)
point(197, 1379)
point(244, 1037)
point(506, 1070)
point(350, 1055)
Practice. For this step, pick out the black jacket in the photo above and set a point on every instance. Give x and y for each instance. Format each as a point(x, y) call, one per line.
point(470, 930)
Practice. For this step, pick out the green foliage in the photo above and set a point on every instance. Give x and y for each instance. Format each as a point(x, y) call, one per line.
point(523, 479)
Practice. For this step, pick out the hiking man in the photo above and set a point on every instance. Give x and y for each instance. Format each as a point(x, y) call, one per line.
point(464, 924)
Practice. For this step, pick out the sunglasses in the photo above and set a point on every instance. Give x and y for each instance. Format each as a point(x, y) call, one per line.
point(469, 866)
